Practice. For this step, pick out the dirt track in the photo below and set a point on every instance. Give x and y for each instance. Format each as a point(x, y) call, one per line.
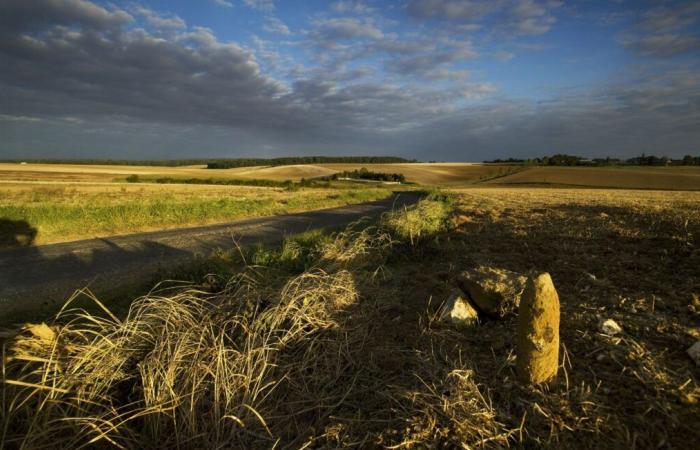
point(43, 276)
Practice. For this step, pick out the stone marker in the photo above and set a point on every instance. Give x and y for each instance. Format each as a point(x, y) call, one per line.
point(694, 352)
point(495, 292)
point(537, 347)
point(459, 310)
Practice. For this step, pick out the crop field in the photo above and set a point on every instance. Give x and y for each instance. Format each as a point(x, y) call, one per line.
point(674, 178)
point(431, 174)
point(336, 340)
point(69, 211)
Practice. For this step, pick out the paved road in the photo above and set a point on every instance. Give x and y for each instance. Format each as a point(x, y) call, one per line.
point(42, 276)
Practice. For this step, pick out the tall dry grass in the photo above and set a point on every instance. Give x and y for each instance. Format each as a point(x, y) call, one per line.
point(252, 365)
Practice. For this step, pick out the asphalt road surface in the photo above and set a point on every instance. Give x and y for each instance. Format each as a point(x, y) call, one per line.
point(42, 277)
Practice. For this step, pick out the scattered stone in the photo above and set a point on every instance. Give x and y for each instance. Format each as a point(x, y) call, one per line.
point(688, 399)
point(495, 292)
point(694, 305)
point(694, 353)
point(537, 348)
point(610, 327)
point(459, 310)
point(693, 332)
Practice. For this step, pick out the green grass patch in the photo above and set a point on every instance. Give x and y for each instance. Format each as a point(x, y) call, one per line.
point(58, 219)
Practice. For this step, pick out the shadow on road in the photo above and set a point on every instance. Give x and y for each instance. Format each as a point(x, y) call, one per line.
point(16, 233)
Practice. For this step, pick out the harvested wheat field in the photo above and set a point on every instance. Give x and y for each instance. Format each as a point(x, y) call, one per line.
point(431, 174)
point(675, 178)
point(422, 173)
point(339, 341)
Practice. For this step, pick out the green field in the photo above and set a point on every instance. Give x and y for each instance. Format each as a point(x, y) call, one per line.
point(63, 212)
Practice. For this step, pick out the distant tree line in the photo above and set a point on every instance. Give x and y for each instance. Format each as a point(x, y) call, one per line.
point(247, 162)
point(223, 163)
point(114, 162)
point(364, 174)
point(571, 160)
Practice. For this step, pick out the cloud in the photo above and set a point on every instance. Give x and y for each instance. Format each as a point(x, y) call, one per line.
point(428, 59)
point(352, 7)
point(262, 5)
point(457, 10)
point(22, 15)
point(329, 31)
point(159, 20)
point(11, 118)
point(661, 45)
point(665, 32)
point(224, 3)
point(517, 17)
point(82, 79)
point(275, 25)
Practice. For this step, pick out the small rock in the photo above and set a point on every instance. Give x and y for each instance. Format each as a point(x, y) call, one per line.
point(495, 292)
point(459, 310)
point(610, 327)
point(688, 399)
point(694, 352)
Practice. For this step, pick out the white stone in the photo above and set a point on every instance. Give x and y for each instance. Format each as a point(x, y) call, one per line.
point(459, 311)
point(610, 327)
point(694, 352)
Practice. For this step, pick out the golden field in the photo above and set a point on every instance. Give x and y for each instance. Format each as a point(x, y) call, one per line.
point(674, 178)
point(432, 174)
point(423, 173)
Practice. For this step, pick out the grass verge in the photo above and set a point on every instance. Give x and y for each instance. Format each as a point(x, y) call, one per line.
point(57, 214)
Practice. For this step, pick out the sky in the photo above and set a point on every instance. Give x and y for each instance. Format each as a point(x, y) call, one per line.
point(442, 80)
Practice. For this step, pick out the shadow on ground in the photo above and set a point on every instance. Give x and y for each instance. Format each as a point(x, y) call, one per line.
point(16, 233)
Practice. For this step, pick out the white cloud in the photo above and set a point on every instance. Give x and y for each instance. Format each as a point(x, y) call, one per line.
point(352, 7)
point(224, 3)
point(159, 20)
point(275, 25)
point(262, 5)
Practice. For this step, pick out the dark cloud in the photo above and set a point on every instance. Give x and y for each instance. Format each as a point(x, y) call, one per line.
point(79, 79)
point(666, 31)
point(517, 17)
point(27, 15)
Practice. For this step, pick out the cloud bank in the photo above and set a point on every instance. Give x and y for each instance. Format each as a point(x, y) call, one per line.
point(84, 79)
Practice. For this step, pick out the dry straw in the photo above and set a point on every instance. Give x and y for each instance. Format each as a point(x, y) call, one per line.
point(249, 366)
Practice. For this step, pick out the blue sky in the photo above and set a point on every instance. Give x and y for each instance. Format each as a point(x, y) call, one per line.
point(428, 79)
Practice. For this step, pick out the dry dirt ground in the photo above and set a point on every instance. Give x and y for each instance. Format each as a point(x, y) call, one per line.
point(631, 256)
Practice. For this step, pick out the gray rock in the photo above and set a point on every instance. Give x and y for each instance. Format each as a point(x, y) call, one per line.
point(495, 292)
point(694, 352)
point(459, 311)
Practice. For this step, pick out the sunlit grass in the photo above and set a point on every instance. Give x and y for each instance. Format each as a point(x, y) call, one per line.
point(64, 213)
